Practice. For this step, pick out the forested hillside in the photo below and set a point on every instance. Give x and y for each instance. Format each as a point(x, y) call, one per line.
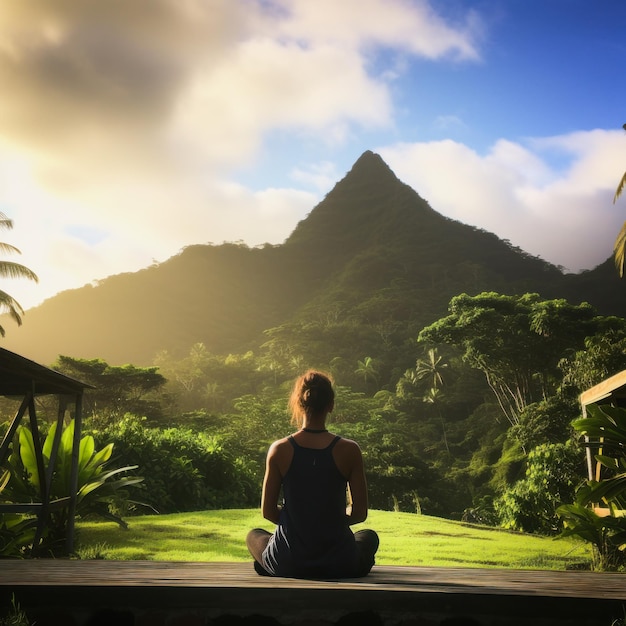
point(373, 257)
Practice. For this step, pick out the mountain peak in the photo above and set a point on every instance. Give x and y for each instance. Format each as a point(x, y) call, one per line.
point(368, 204)
point(371, 165)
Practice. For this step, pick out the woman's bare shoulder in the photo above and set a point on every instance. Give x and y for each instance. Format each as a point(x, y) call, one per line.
point(349, 446)
point(279, 446)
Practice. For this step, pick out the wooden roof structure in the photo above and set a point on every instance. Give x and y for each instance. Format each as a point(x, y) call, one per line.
point(25, 379)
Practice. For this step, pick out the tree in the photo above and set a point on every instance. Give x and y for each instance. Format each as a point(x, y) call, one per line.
point(516, 341)
point(8, 269)
point(117, 389)
point(604, 354)
point(367, 368)
point(430, 369)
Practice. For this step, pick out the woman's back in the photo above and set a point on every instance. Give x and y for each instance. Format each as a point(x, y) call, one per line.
point(315, 493)
point(312, 537)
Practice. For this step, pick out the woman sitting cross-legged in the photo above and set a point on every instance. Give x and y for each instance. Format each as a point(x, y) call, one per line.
point(316, 470)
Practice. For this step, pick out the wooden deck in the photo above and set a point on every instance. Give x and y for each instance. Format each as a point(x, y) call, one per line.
point(205, 591)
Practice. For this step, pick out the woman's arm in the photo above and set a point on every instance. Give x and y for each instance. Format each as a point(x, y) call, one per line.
point(271, 485)
point(357, 485)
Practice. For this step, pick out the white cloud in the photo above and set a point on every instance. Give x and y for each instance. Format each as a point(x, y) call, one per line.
point(410, 26)
point(563, 214)
point(122, 124)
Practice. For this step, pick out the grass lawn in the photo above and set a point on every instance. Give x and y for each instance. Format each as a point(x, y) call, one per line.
point(406, 539)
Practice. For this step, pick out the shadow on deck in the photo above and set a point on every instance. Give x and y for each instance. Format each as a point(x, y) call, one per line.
point(152, 593)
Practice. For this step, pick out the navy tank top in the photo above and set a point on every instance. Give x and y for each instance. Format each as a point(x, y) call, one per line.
point(312, 539)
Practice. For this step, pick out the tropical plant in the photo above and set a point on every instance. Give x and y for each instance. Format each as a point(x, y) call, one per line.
point(16, 531)
point(604, 430)
point(17, 534)
point(367, 368)
point(431, 368)
point(607, 535)
point(9, 269)
point(98, 486)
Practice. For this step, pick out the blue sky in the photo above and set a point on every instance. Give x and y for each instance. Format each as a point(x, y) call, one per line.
point(130, 130)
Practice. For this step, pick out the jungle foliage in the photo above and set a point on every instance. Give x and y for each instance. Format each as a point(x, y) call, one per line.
point(476, 425)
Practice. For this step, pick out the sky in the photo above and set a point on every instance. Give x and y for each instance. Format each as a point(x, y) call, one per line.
point(129, 130)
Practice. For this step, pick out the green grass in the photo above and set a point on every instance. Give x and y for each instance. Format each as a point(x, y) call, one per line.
point(406, 539)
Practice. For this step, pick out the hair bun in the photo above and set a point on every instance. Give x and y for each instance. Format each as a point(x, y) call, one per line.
point(313, 392)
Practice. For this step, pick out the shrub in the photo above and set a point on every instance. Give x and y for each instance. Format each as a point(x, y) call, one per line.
point(552, 473)
point(183, 470)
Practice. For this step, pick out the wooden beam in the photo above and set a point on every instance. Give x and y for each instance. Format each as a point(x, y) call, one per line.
point(8, 437)
point(604, 389)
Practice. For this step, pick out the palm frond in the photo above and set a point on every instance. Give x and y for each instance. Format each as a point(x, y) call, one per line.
point(5, 222)
point(11, 306)
point(619, 250)
point(620, 188)
point(9, 269)
point(7, 248)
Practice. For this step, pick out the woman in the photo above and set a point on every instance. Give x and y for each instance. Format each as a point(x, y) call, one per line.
point(316, 470)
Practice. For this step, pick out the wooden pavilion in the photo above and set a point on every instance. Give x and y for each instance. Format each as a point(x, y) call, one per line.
point(25, 379)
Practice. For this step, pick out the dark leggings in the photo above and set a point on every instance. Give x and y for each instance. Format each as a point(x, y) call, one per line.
point(366, 544)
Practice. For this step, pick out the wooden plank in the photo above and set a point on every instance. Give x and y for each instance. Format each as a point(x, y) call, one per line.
point(33, 507)
point(110, 574)
point(158, 592)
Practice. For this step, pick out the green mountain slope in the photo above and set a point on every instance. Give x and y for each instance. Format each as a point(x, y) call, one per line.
point(373, 256)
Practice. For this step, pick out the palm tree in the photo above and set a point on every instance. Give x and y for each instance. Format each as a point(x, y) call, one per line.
point(367, 368)
point(431, 368)
point(619, 250)
point(9, 269)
